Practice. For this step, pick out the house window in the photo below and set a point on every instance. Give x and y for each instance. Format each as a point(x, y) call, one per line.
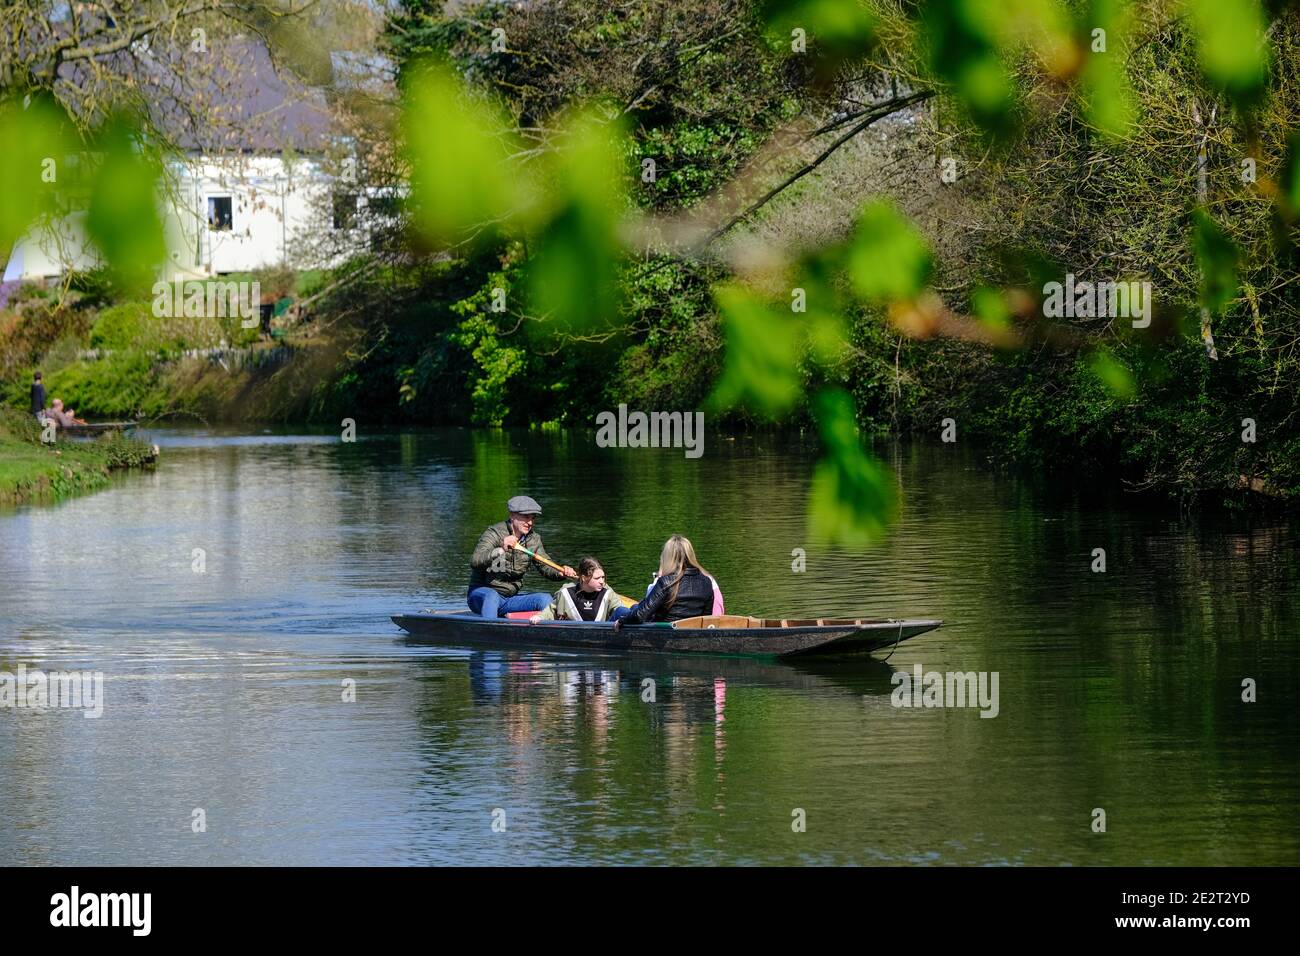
point(220, 217)
point(345, 210)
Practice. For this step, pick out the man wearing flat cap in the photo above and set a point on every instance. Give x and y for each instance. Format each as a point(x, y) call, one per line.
point(497, 567)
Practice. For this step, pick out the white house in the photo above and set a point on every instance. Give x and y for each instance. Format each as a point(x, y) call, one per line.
point(244, 192)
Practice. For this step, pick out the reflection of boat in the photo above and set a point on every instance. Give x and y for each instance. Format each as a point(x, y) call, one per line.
point(623, 671)
point(718, 635)
point(863, 676)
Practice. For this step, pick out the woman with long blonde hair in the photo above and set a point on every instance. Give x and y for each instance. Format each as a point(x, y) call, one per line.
point(683, 588)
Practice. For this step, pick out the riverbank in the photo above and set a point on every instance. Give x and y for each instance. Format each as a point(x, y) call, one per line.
point(415, 347)
point(33, 471)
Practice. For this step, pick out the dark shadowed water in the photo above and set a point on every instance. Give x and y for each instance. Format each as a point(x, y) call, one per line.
point(223, 688)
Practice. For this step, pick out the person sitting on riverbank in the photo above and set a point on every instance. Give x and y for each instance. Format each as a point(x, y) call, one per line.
point(683, 589)
point(586, 600)
point(38, 397)
point(63, 417)
point(497, 568)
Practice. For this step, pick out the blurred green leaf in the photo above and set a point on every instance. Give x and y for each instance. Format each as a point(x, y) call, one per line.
point(1041, 25)
point(1286, 201)
point(1113, 374)
point(838, 29)
point(1217, 257)
point(761, 370)
point(887, 259)
point(990, 308)
point(573, 278)
point(123, 220)
point(1106, 92)
point(1230, 42)
point(1108, 98)
point(36, 143)
point(823, 316)
point(828, 335)
point(458, 150)
point(853, 498)
point(962, 37)
point(1289, 179)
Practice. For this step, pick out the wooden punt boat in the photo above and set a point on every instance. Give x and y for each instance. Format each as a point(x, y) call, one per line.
point(726, 634)
point(96, 428)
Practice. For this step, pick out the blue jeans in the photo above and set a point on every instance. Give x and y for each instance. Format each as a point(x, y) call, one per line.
point(619, 613)
point(489, 603)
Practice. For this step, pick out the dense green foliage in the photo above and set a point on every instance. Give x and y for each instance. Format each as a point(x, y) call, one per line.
point(115, 358)
point(1078, 155)
point(1061, 195)
point(433, 351)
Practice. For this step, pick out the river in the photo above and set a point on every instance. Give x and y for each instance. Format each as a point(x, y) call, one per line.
point(236, 597)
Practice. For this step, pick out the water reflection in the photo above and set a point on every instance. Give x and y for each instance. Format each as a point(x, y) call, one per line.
point(1120, 689)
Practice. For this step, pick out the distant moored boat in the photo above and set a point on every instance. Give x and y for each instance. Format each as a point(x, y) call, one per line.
point(95, 428)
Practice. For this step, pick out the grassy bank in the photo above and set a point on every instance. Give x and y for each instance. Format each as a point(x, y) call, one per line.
point(110, 357)
point(33, 471)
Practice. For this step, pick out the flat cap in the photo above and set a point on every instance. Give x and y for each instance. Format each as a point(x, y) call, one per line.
point(522, 504)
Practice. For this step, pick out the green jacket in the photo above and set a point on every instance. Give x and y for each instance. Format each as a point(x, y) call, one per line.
point(563, 608)
point(491, 566)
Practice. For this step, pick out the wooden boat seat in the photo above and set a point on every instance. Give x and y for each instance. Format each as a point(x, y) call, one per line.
point(720, 621)
point(709, 621)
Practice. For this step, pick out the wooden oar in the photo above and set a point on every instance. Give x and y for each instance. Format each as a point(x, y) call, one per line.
point(627, 601)
point(537, 557)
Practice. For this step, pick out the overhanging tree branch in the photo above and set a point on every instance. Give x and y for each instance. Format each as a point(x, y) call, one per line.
point(885, 109)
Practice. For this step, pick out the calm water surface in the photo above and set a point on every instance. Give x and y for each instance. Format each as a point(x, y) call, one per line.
point(1119, 691)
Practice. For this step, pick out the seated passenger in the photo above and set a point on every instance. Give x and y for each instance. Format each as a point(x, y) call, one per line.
point(683, 589)
point(63, 417)
point(587, 599)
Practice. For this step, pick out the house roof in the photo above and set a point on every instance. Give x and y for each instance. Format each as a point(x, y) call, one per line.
point(245, 105)
point(235, 100)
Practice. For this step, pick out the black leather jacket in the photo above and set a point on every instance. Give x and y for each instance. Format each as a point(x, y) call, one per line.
point(694, 597)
